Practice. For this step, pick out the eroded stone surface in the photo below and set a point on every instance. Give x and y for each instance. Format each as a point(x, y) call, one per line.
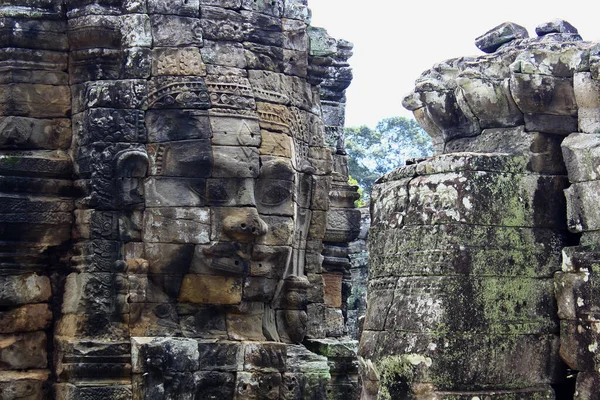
point(164, 187)
point(446, 291)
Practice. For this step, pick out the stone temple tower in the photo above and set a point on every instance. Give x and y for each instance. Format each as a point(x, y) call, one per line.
point(175, 213)
point(484, 258)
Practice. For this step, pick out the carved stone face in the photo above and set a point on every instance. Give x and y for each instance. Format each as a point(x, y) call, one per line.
point(226, 220)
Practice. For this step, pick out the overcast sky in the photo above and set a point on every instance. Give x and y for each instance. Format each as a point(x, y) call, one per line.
point(394, 41)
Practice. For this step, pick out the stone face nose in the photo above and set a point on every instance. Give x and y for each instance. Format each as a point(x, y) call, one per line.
point(244, 224)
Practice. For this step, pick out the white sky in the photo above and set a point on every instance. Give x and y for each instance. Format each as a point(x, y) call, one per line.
point(395, 40)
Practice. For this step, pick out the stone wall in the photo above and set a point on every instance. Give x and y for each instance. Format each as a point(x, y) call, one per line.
point(175, 208)
point(482, 280)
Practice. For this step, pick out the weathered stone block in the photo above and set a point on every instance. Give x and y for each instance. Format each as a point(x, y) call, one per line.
point(177, 61)
point(168, 92)
point(34, 34)
point(130, 30)
point(167, 258)
point(334, 323)
point(101, 63)
point(23, 351)
point(126, 93)
point(316, 315)
point(280, 231)
point(343, 225)
point(172, 125)
point(246, 323)
point(588, 384)
point(490, 41)
point(280, 89)
point(564, 61)
point(29, 133)
point(582, 215)
point(443, 117)
point(109, 125)
point(229, 54)
point(200, 321)
point(268, 261)
point(23, 385)
point(175, 192)
point(171, 30)
point(235, 162)
point(211, 289)
point(190, 159)
point(68, 391)
point(180, 7)
point(587, 95)
point(543, 94)
point(495, 305)
point(259, 289)
point(265, 357)
point(99, 293)
point(333, 290)
point(577, 294)
point(581, 153)
point(515, 360)
point(234, 4)
point(492, 199)
point(176, 225)
point(262, 28)
point(27, 318)
point(256, 385)
point(34, 100)
point(542, 150)
point(229, 91)
point(552, 124)
point(465, 250)
point(231, 131)
point(223, 356)
point(579, 344)
point(24, 289)
point(222, 24)
point(214, 385)
point(167, 354)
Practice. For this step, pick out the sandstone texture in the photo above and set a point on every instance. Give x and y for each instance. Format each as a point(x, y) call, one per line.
point(167, 228)
point(483, 258)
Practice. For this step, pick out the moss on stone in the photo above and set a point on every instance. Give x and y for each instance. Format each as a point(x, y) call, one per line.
point(397, 373)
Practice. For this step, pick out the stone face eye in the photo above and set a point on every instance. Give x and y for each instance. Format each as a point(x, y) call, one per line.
point(274, 193)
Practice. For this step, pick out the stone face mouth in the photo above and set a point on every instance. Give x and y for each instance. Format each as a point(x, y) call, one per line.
point(229, 257)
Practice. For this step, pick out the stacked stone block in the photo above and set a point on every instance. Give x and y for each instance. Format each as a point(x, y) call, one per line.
point(461, 277)
point(166, 184)
point(35, 188)
point(108, 44)
point(463, 297)
point(577, 289)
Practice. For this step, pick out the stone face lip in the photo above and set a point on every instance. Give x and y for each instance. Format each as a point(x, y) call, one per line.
point(555, 26)
point(490, 41)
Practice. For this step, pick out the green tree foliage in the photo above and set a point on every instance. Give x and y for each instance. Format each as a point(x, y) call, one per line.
point(374, 152)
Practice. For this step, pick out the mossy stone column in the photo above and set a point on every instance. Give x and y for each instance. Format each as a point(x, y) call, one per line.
point(461, 302)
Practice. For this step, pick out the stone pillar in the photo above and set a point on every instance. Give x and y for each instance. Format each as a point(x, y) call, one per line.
point(35, 189)
point(578, 284)
point(109, 66)
point(461, 279)
point(465, 245)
